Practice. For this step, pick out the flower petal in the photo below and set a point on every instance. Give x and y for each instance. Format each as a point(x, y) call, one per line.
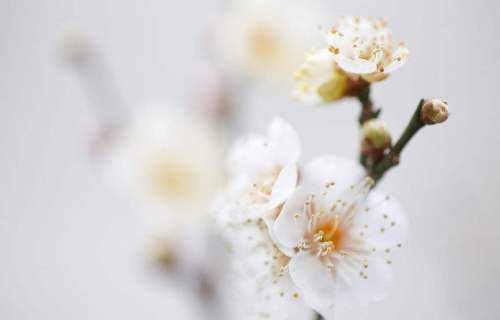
point(339, 172)
point(249, 155)
point(356, 66)
point(285, 183)
point(354, 289)
point(386, 220)
point(285, 141)
point(400, 56)
point(291, 224)
point(316, 282)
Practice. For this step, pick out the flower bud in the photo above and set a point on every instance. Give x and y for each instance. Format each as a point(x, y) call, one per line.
point(375, 139)
point(434, 111)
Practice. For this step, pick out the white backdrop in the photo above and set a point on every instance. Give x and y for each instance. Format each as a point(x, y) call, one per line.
point(69, 249)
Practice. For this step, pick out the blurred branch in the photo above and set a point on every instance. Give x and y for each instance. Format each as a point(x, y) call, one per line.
point(95, 78)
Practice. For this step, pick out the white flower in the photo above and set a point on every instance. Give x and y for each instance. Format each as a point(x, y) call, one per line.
point(340, 235)
point(259, 285)
point(362, 46)
point(169, 160)
point(319, 79)
point(264, 39)
point(262, 172)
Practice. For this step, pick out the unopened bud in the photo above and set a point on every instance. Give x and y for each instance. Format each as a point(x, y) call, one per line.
point(434, 111)
point(375, 139)
point(376, 131)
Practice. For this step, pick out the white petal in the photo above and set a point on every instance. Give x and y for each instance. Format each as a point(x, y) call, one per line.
point(402, 53)
point(316, 282)
point(249, 155)
point(291, 223)
point(330, 169)
point(386, 220)
point(356, 66)
point(354, 289)
point(284, 185)
point(285, 141)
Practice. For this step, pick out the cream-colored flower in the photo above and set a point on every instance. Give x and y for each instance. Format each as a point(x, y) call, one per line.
point(264, 39)
point(319, 79)
point(365, 47)
point(168, 159)
point(340, 236)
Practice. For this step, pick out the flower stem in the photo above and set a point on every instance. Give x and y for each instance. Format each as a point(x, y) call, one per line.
point(318, 317)
point(368, 110)
point(392, 158)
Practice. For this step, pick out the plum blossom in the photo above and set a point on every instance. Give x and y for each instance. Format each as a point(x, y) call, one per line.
point(339, 235)
point(319, 79)
point(261, 287)
point(262, 173)
point(365, 47)
point(264, 39)
point(169, 161)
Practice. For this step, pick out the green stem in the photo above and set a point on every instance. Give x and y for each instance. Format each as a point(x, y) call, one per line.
point(318, 317)
point(392, 158)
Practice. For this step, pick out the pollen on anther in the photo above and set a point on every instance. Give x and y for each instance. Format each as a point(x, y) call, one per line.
point(296, 295)
point(382, 230)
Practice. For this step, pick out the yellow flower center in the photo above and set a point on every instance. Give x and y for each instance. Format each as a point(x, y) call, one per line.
point(262, 45)
point(170, 178)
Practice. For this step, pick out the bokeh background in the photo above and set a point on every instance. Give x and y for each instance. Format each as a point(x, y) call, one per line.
point(71, 249)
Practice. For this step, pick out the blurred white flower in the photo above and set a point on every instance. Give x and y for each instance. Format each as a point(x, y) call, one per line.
point(170, 160)
point(265, 39)
point(262, 173)
point(340, 235)
point(365, 47)
point(261, 287)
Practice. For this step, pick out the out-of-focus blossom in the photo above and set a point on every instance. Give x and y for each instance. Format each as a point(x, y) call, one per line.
point(264, 39)
point(170, 160)
point(260, 285)
point(262, 173)
point(365, 47)
point(340, 237)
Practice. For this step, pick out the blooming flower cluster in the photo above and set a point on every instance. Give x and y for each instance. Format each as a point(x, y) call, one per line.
point(359, 51)
point(325, 237)
point(302, 237)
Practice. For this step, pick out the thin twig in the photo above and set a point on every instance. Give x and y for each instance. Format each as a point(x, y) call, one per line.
point(392, 158)
point(368, 110)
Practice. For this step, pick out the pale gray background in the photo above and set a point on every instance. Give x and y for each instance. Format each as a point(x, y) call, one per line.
point(70, 250)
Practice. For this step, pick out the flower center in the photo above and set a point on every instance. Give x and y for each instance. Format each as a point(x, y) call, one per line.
point(262, 45)
point(263, 188)
point(171, 178)
point(328, 237)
